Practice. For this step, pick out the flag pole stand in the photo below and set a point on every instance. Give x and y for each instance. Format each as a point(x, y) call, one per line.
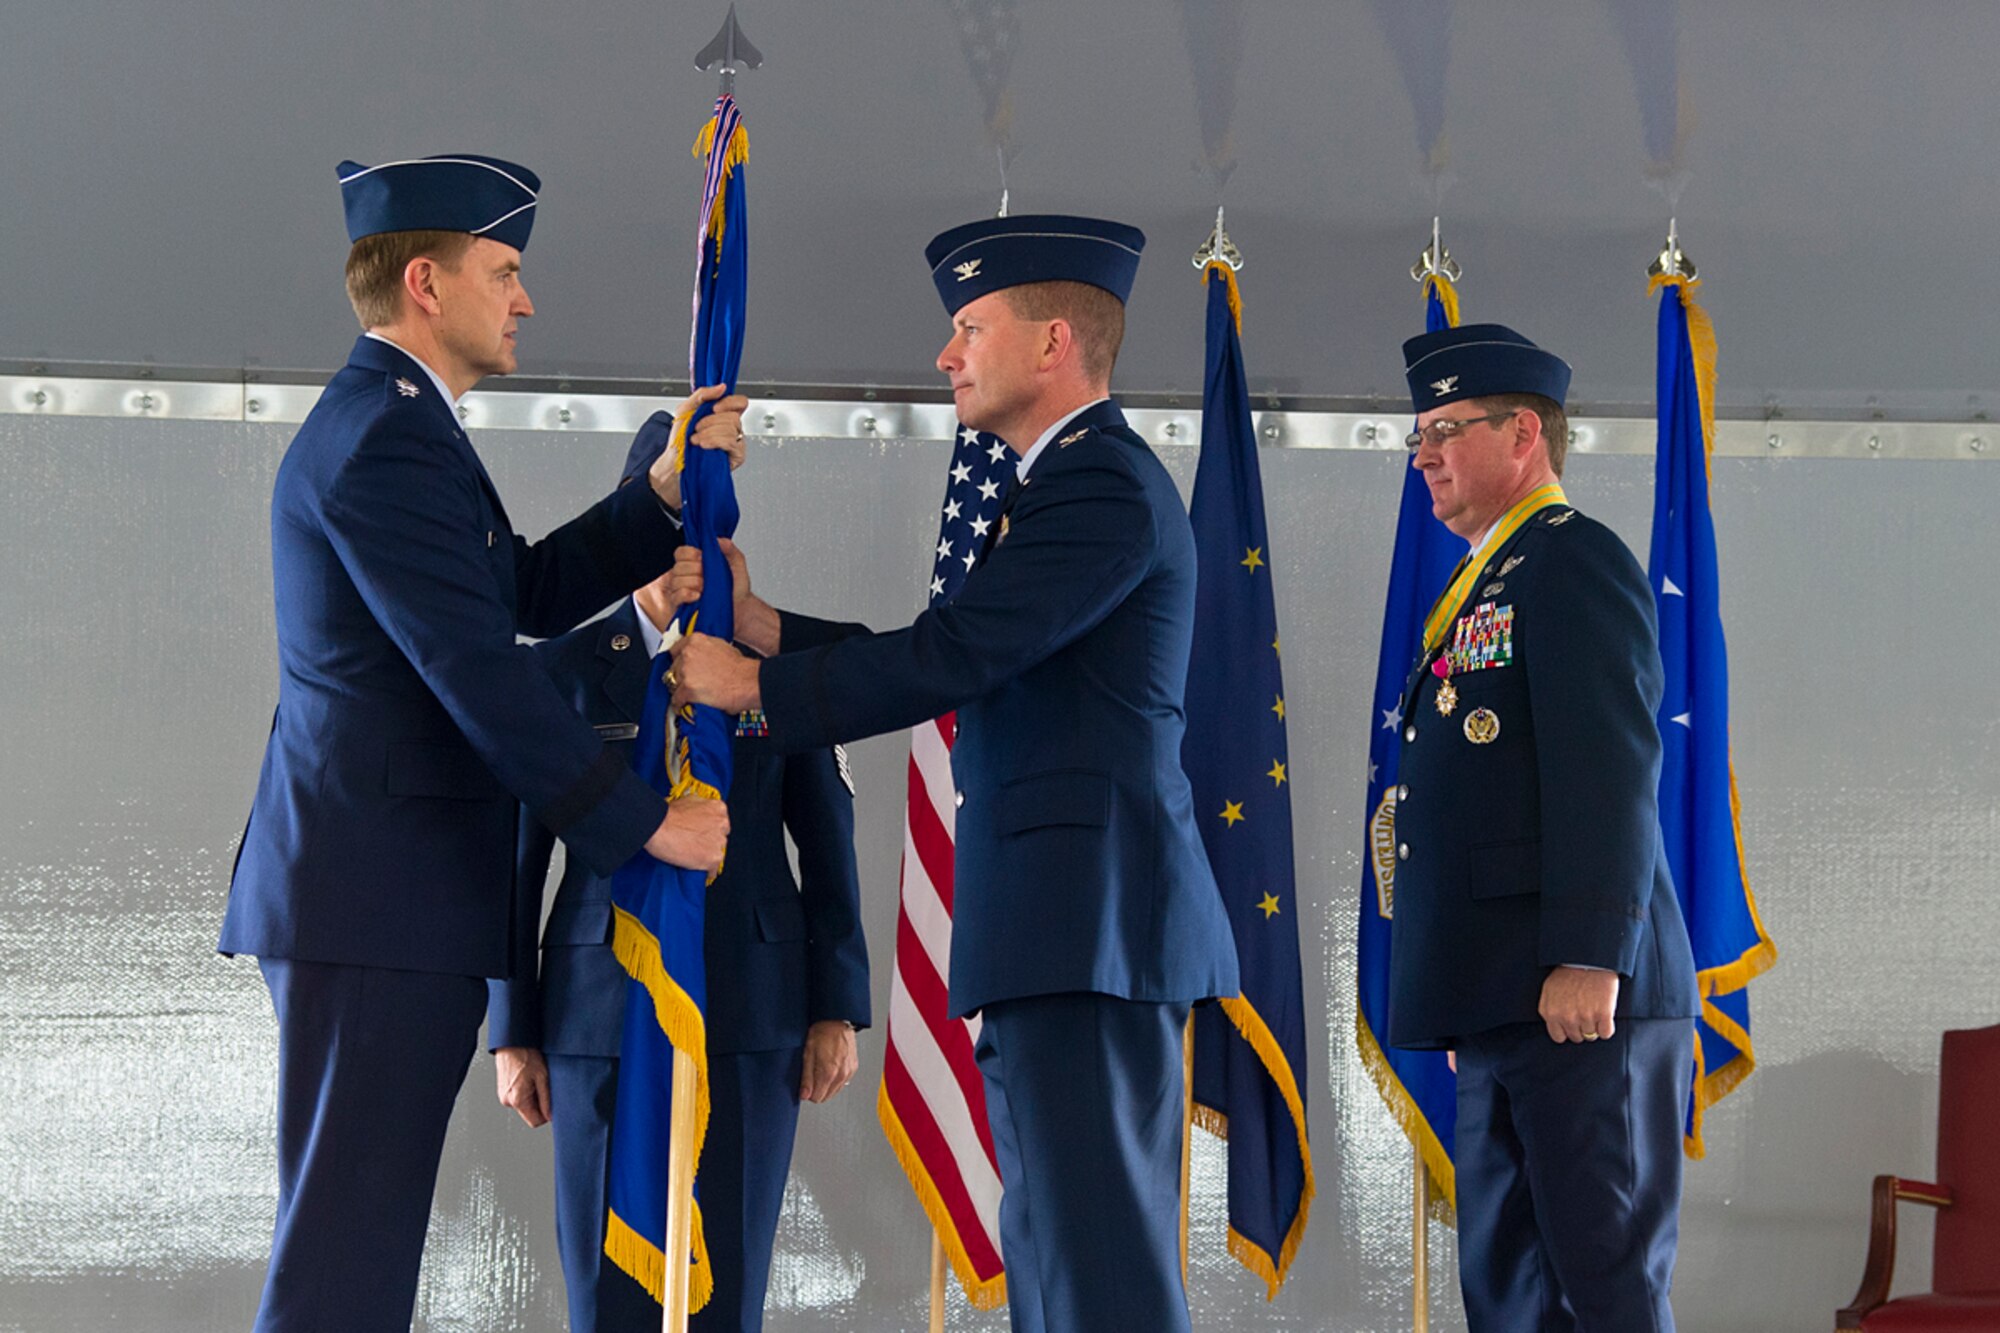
point(680, 1197)
point(1420, 1244)
point(937, 1283)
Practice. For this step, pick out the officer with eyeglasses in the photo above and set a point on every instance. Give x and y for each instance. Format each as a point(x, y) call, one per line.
point(1537, 932)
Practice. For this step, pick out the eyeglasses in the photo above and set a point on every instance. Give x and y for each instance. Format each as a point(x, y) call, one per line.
point(1442, 432)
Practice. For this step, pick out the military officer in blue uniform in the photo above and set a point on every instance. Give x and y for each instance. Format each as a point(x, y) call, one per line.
point(787, 969)
point(374, 882)
point(1086, 919)
point(1537, 932)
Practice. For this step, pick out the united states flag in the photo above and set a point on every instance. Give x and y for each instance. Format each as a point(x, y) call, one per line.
point(932, 1104)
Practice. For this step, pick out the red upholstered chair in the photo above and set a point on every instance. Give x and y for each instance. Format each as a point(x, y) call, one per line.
point(1965, 1267)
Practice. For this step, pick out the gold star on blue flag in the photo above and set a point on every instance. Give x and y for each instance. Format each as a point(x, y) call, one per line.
point(1249, 1049)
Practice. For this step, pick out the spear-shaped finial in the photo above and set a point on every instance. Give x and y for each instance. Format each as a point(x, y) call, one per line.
point(1219, 246)
point(1672, 262)
point(729, 54)
point(1436, 259)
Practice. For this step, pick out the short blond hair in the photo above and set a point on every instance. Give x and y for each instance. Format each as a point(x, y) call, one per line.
point(1095, 316)
point(375, 268)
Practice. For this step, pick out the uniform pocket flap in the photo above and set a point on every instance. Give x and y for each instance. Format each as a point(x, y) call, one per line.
point(781, 919)
point(431, 768)
point(1075, 797)
point(1504, 869)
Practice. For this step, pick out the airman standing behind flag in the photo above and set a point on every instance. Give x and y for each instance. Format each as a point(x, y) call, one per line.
point(786, 969)
point(1086, 918)
point(1537, 931)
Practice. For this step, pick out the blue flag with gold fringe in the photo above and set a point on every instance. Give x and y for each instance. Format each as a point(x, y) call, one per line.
point(1418, 1086)
point(1698, 806)
point(1249, 1049)
point(658, 909)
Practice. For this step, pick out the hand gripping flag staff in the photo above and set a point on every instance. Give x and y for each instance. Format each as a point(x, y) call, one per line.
point(1247, 1052)
point(1418, 1086)
point(654, 1229)
point(932, 1103)
point(1699, 816)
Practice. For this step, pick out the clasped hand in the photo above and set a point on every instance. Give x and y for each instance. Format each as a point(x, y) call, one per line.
point(694, 834)
point(721, 429)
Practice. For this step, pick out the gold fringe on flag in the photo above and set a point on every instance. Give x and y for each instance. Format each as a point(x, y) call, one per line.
point(1235, 293)
point(735, 156)
point(1247, 1021)
point(638, 952)
point(712, 227)
point(1410, 1117)
point(989, 1294)
point(1447, 295)
point(1727, 978)
point(640, 1259)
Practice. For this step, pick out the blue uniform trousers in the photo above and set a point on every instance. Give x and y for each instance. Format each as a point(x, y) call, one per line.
point(754, 1113)
point(1569, 1177)
point(583, 1093)
point(1084, 1097)
point(370, 1061)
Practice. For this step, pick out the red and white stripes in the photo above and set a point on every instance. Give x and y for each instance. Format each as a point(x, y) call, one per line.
point(932, 1104)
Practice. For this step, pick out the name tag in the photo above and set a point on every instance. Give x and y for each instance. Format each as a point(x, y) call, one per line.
point(618, 731)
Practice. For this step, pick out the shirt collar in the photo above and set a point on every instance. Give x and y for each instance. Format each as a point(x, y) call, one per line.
point(652, 635)
point(445, 393)
point(1028, 459)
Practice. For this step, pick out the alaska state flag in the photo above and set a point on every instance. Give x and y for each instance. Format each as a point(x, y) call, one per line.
point(659, 909)
point(1249, 1050)
point(1698, 807)
point(1418, 1086)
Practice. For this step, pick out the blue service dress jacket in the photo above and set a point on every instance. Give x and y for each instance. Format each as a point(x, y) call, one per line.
point(781, 953)
point(1079, 867)
point(411, 724)
point(1527, 819)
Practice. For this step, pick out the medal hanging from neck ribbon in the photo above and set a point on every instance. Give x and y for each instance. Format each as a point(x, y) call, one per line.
point(1447, 693)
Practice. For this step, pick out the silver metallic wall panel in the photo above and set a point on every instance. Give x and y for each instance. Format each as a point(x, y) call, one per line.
point(891, 418)
point(137, 673)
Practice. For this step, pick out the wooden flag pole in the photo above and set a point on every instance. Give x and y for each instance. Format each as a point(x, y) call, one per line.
point(1187, 1135)
point(937, 1283)
point(680, 1197)
point(1420, 1242)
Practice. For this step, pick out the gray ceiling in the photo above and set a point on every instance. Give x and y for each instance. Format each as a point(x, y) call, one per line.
point(169, 175)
